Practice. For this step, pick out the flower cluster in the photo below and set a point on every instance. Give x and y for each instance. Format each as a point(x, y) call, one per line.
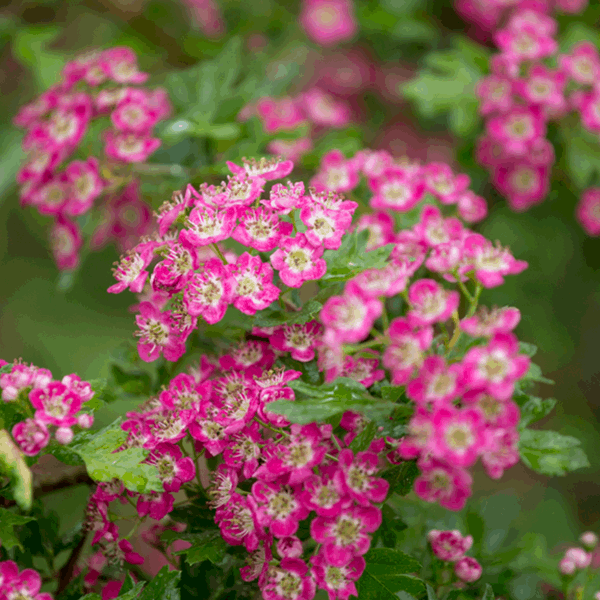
point(314, 109)
point(99, 92)
point(450, 547)
point(197, 280)
point(49, 405)
point(464, 407)
point(272, 476)
point(576, 559)
point(487, 15)
point(20, 584)
point(531, 84)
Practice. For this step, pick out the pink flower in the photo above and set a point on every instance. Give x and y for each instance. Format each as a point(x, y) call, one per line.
point(324, 109)
point(580, 557)
point(292, 150)
point(263, 168)
point(374, 283)
point(207, 226)
point(85, 186)
point(430, 303)
point(517, 130)
point(157, 334)
point(288, 581)
point(283, 199)
point(405, 350)
point(364, 370)
point(129, 147)
point(458, 436)
point(350, 317)
point(355, 474)
point(338, 582)
point(65, 242)
point(261, 229)
point(495, 94)
point(344, 536)
point(396, 189)
point(436, 383)
point(322, 494)
point(472, 208)
point(468, 569)
point(280, 114)
point(208, 294)
point(325, 227)
point(419, 439)
point(588, 211)
point(253, 287)
point(278, 508)
point(290, 547)
point(433, 229)
point(299, 340)
point(489, 262)
point(525, 43)
point(237, 522)
point(443, 483)
point(486, 323)
point(31, 435)
point(130, 273)
point(380, 226)
point(337, 174)
point(544, 87)
point(582, 65)
point(502, 451)
point(523, 184)
point(449, 546)
point(174, 469)
point(496, 366)
point(22, 377)
point(56, 404)
point(443, 183)
point(298, 261)
point(155, 504)
point(328, 22)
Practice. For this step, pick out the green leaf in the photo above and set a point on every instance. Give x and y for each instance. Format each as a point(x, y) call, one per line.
point(102, 394)
point(163, 586)
point(29, 47)
point(534, 374)
point(308, 312)
point(391, 524)
point(132, 592)
point(328, 400)
point(430, 592)
point(551, 453)
point(528, 349)
point(533, 408)
point(103, 464)
point(12, 464)
point(352, 257)
point(208, 545)
point(134, 383)
point(386, 574)
point(8, 521)
point(364, 438)
point(401, 477)
point(582, 152)
point(128, 585)
point(447, 85)
point(488, 593)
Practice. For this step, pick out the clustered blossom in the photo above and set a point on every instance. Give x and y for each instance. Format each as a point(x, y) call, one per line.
point(577, 559)
point(198, 282)
point(531, 85)
point(20, 584)
point(52, 407)
point(464, 407)
point(102, 87)
point(328, 22)
point(450, 547)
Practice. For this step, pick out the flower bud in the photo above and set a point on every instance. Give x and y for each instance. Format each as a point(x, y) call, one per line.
point(589, 539)
point(85, 421)
point(580, 557)
point(64, 435)
point(468, 569)
point(567, 567)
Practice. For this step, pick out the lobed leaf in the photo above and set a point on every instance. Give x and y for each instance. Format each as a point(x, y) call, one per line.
point(8, 521)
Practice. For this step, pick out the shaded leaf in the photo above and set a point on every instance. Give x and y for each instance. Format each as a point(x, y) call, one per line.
point(163, 586)
point(551, 453)
point(533, 408)
point(386, 574)
point(8, 521)
point(401, 477)
point(208, 545)
point(352, 257)
point(308, 312)
point(12, 464)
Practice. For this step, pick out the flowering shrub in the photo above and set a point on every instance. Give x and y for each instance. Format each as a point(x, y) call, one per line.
point(363, 367)
point(320, 373)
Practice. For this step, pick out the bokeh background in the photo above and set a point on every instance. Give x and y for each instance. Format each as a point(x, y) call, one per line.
point(75, 328)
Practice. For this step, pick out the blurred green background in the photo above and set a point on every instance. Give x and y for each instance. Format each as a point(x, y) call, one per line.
point(75, 330)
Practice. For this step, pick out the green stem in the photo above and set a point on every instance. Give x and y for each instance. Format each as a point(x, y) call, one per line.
point(218, 253)
point(463, 288)
point(350, 348)
point(158, 170)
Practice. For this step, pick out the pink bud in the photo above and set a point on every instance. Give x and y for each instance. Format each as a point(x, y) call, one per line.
point(589, 539)
point(579, 556)
point(566, 567)
point(85, 420)
point(468, 569)
point(64, 435)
